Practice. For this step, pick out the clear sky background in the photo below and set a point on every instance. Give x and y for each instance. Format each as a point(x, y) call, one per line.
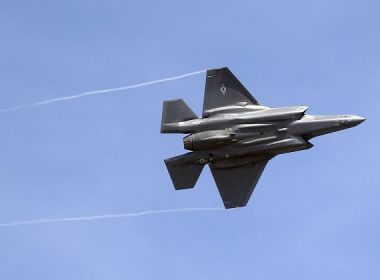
point(313, 215)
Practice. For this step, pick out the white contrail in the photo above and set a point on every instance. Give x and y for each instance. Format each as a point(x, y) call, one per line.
point(101, 91)
point(101, 217)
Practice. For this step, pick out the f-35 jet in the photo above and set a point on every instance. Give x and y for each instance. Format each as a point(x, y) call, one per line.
point(237, 136)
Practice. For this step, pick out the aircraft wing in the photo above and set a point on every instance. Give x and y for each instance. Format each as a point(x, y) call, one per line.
point(236, 184)
point(224, 89)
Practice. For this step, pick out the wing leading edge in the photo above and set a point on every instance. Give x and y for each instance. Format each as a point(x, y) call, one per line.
point(224, 89)
point(236, 184)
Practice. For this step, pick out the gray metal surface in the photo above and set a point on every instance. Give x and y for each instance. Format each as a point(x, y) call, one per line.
point(237, 136)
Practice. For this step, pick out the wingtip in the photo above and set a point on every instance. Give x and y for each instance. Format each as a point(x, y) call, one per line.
point(213, 70)
point(231, 205)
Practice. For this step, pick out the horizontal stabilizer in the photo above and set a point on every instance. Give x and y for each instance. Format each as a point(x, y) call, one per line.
point(183, 175)
point(175, 111)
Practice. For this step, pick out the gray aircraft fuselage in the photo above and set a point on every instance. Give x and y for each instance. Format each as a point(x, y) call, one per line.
point(230, 139)
point(241, 134)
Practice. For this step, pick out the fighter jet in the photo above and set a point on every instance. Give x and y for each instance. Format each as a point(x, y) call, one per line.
point(236, 136)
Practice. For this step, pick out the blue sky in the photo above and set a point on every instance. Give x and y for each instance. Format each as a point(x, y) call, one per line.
point(313, 215)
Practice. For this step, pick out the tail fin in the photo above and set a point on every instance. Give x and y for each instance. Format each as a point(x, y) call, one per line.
point(183, 174)
point(175, 111)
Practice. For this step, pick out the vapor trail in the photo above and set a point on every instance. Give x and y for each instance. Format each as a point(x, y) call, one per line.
point(102, 217)
point(101, 91)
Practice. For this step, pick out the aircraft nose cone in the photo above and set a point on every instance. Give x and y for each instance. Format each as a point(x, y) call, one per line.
point(348, 121)
point(355, 120)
